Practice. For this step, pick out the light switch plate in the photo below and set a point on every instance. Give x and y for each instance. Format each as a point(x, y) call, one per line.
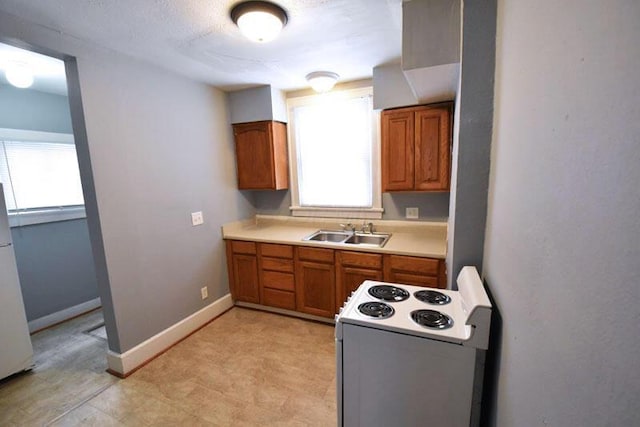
point(197, 218)
point(412, 213)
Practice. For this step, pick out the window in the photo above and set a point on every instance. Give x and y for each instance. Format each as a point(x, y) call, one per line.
point(334, 153)
point(40, 176)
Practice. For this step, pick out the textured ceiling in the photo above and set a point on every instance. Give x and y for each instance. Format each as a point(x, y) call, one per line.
point(198, 39)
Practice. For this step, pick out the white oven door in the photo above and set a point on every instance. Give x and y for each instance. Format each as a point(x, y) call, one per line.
point(392, 379)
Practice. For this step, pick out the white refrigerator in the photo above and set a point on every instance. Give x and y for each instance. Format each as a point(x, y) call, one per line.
point(16, 353)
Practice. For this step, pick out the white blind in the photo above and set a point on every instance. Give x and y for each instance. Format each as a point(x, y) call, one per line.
point(334, 152)
point(39, 175)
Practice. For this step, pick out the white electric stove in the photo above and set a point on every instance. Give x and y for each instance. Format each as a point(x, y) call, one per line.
point(412, 356)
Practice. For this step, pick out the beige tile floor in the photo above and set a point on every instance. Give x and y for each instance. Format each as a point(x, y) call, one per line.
point(246, 368)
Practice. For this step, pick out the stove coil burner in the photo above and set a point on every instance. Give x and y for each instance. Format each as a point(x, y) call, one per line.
point(388, 293)
point(378, 310)
point(432, 319)
point(433, 297)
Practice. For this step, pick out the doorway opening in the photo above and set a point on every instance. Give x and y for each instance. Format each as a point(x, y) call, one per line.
point(52, 226)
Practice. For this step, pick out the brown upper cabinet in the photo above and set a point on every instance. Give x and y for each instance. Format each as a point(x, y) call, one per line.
point(261, 155)
point(416, 148)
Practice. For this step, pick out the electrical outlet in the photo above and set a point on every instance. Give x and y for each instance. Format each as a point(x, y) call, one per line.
point(204, 292)
point(197, 218)
point(412, 213)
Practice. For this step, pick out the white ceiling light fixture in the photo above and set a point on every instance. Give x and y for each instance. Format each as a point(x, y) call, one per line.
point(19, 75)
point(322, 81)
point(259, 21)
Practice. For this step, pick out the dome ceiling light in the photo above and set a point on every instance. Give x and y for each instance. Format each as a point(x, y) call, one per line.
point(322, 81)
point(259, 21)
point(19, 75)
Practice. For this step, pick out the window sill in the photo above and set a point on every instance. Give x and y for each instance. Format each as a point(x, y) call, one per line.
point(20, 219)
point(364, 213)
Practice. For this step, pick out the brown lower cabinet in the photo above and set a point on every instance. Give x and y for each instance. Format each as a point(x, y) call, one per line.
point(416, 271)
point(317, 280)
point(353, 268)
point(277, 281)
point(242, 265)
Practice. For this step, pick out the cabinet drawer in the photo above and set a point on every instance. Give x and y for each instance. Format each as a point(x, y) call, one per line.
point(413, 264)
point(277, 298)
point(276, 251)
point(277, 264)
point(414, 279)
point(360, 260)
point(238, 247)
point(277, 280)
point(315, 254)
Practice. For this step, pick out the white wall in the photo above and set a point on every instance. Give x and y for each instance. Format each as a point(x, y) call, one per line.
point(160, 147)
point(562, 253)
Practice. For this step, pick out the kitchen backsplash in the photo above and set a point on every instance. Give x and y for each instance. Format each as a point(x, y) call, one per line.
point(432, 206)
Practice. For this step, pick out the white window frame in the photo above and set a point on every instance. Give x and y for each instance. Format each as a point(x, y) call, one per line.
point(40, 216)
point(374, 212)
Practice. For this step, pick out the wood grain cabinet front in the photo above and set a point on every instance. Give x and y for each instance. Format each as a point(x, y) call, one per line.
point(318, 281)
point(242, 266)
point(353, 268)
point(261, 155)
point(416, 271)
point(416, 148)
point(315, 281)
point(277, 281)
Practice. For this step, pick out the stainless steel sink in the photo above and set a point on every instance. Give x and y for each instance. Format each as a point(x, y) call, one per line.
point(378, 239)
point(350, 238)
point(328, 236)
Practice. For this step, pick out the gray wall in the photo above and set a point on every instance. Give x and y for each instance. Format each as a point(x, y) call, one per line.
point(563, 229)
point(257, 104)
point(472, 139)
point(33, 110)
point(54, 259)
point(55, 266)
point(160, 147)
point(250, 105)
point(433, 206)
point(390, 88)
point(430, 33)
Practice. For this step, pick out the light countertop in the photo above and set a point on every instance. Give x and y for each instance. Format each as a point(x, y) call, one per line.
point(413, 238)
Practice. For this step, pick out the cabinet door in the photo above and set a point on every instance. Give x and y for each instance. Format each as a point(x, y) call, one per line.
point(433, 150)
point(245, 278)
point(261, 155)
point(254, 155)
point(242, 266)
point(397, 150)
point(414, 271)
point(315, 288)
point(349, 278)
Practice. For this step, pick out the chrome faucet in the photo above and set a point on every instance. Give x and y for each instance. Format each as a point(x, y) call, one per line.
point(367, 227)
point(348, 226)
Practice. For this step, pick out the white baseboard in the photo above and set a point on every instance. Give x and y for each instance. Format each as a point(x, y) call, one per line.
point(62, 315)
point(286, 312)
point(124, 363)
